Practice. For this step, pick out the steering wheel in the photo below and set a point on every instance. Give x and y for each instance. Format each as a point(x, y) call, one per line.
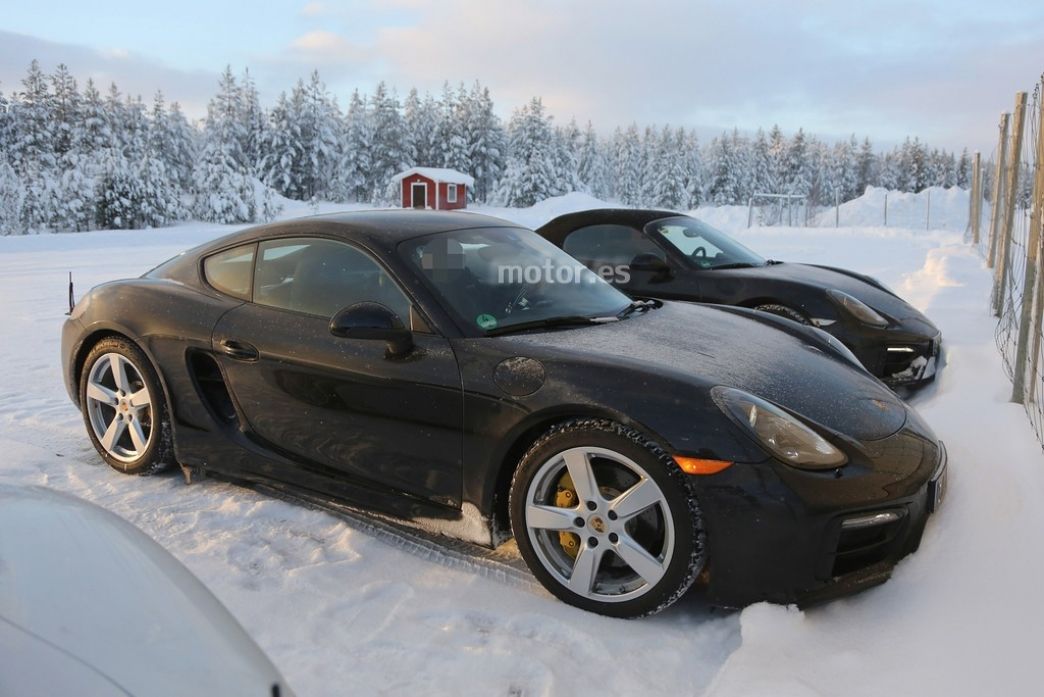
point(699, 252)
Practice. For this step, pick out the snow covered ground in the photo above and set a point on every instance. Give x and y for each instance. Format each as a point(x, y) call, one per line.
point(345, 608)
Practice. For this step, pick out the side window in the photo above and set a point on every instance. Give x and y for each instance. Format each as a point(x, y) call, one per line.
point(606, 246)
point(320, 277)
point(230, 271)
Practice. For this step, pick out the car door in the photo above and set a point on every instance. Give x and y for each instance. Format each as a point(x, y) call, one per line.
point(336, 403)
point(610, 251)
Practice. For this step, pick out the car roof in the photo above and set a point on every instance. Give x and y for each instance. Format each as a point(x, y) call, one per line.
point(556, 230)
point(379, 228)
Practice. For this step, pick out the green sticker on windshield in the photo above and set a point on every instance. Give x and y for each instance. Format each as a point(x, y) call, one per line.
point(486, 322)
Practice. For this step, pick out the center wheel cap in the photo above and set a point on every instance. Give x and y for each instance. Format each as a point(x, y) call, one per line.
point(597, 524)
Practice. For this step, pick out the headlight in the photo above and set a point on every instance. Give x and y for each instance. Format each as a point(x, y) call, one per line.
point(783, 435)
point(861, 311)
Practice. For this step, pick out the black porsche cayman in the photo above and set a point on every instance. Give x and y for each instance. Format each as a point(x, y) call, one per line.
point(660, 254)
point(464, 374)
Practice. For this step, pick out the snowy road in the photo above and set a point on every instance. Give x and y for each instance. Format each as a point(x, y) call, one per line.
point(344, 609)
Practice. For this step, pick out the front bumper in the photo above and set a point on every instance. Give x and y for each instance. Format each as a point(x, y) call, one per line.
point(898, 356)
point(768, 541)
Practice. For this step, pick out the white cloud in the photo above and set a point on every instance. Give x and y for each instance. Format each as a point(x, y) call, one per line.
point(314, 9)
point(132, 73)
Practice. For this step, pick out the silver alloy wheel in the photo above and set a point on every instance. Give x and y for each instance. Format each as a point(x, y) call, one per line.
point(602, 524)
point(119, 407)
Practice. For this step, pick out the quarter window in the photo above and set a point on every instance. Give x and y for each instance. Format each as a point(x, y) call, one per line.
point(607, 246)
point(230, 271)
point(320, 277)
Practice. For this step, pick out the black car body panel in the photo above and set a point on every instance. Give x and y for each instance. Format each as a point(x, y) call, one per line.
point(903, 353)
point(433, 437)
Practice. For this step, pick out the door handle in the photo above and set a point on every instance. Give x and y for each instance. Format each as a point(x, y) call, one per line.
point(239, 350)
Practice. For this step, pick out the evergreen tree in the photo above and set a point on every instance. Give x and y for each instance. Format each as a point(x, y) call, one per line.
point(389, 151)
point(353, 181)
point(530, 175)
point(627, 165)
point(319, 118)
point(485, 141)
point(591, 165)
point(224, 192)
point(669, 173)
point(33, 148)
point(694, 182)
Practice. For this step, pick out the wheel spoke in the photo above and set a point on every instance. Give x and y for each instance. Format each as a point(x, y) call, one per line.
point(643, 563)
point(100, 393)
point(636, 499)
point(137, 435)
point(113, 433)
point(119, 372)
point(140, 398)
point(579, 466)
point(585, 568)
point(549, 517)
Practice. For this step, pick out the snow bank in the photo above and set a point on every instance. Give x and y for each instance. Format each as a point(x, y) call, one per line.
point(949, 209)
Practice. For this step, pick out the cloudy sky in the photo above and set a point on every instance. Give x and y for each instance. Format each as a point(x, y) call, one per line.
point(942, 70)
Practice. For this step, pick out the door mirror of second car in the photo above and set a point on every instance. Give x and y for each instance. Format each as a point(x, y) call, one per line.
point(373, 322)
point(652, 264)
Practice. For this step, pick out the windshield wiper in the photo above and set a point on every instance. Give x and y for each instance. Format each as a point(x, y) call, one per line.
point(567, 321)
point(635, 306)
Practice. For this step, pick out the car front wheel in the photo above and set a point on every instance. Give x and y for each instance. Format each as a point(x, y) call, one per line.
point(605, 519)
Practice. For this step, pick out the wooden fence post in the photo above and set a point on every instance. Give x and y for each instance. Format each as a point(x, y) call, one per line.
point(998, 188)
point(976, 198)
point(1026, 358)
point(1004, 243)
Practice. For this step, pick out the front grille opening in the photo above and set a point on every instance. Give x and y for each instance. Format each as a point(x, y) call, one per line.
point(212, 388)
point(858, 548)
point(896, 362)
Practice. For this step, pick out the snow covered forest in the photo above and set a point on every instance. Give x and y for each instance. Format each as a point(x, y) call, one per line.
point(73, 160)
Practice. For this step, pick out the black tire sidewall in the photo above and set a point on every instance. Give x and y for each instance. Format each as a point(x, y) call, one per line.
point(784, 311)
point(687, 556)
point(158, 455)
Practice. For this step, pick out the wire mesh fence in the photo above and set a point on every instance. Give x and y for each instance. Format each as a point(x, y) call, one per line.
point(1005, 224)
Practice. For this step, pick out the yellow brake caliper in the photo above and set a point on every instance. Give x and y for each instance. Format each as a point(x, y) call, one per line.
point(565, 497)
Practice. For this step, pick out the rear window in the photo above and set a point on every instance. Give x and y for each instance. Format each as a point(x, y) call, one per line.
point(231, 271)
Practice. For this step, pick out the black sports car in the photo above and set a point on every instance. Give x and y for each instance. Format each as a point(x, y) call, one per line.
point(464, 374)
point(661, 254)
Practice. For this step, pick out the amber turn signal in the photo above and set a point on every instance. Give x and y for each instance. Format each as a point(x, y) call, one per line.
point(696, 465)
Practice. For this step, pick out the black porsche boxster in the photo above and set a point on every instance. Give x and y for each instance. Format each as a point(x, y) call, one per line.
point(661, 254)
point(464, 374)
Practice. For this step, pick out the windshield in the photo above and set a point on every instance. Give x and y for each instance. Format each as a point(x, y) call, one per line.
point(706, 247)
point(494, 278)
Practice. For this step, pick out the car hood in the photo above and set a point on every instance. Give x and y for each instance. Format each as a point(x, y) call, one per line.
point(773, 358)
point(863, 288)
point(80, 581)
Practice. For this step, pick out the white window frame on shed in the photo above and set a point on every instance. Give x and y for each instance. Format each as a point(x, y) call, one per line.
point(413, 189)
point(451, 193)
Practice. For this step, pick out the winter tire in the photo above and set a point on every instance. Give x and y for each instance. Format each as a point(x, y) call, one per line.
point(605, 520)
point(783, 311)
point(124, 408)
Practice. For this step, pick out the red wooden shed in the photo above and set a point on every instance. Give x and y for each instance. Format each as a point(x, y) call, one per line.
point(434, 187)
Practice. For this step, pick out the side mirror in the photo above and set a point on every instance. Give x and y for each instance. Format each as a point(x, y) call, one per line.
point(373, 322)
point(659, 268)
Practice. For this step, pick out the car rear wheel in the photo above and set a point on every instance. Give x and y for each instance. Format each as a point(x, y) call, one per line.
point(605, 519)
point(124, 408)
